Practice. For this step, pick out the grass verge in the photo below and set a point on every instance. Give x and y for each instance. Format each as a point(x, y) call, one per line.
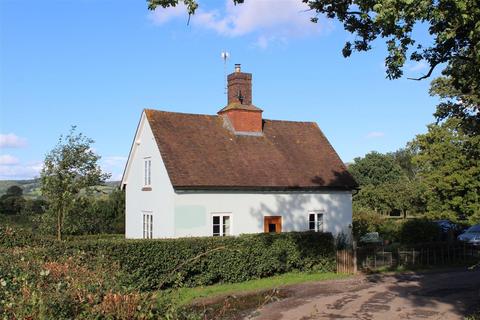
point(188, 295)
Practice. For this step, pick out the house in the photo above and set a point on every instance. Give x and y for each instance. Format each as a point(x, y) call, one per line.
point(233, 173)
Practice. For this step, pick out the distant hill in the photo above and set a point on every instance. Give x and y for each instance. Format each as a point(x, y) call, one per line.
point(31, 188)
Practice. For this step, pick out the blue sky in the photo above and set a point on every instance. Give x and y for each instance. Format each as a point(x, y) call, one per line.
point(96, 64)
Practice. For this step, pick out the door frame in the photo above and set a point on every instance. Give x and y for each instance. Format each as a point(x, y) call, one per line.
point(277, 220)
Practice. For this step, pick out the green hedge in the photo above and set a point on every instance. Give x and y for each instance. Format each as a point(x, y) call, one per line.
point(158, 264)
point(11, 237)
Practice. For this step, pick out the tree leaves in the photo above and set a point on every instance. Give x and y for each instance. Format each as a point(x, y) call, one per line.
point(72, 166)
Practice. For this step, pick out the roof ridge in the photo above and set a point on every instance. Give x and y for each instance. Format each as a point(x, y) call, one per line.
point(182, 113)
point(216, 115)
point(295, 121)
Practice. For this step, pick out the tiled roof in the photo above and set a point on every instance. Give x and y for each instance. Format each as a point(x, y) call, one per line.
point(199, 152)
point(239, 106)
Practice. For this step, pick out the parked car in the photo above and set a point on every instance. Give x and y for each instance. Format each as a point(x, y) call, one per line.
point(448, 229)
point(471, 235)
point(371, 238)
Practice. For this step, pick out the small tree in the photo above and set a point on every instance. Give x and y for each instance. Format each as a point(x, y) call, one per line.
point(12, 202)
point(14, 191)
point(71, 167)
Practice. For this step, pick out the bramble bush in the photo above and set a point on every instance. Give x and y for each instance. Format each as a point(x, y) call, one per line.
point(103, 277)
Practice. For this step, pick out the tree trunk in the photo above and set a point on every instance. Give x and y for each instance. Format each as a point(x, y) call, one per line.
point(59, 224)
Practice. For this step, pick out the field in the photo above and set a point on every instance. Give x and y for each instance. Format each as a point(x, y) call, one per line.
point(31, 188)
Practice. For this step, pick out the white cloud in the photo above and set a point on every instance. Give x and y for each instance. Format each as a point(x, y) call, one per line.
point(161, 15)
point(19, 171)
point(417, 66)
point(7, 160)
point(114, 165)
point(270, 21)
point(11, 140)
point(375, 134)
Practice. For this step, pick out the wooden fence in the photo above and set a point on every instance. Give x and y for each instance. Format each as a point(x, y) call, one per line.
point(375, 258)
point(346, 261)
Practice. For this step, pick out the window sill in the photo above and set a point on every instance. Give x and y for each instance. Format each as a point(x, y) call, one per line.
point(147, 189)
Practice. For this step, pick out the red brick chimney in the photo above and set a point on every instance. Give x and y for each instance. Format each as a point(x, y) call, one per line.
point(240, 112)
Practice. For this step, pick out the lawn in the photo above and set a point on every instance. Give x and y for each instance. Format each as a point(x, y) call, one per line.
point(188, 295)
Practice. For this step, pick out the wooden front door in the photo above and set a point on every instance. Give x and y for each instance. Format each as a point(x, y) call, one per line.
point(272, 224)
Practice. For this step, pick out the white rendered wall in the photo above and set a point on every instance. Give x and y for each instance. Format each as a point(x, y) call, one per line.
point(185, 214)
point(248, 210)
point(158, 201)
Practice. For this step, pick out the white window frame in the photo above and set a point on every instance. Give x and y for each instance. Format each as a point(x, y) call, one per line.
point(318, 227)
point(221, 215)
point(147, 171)
point(147, 224)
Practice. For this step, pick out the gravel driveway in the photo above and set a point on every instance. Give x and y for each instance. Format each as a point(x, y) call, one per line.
point(433, 295)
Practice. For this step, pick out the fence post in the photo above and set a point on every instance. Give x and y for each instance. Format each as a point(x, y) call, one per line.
point(354, 245)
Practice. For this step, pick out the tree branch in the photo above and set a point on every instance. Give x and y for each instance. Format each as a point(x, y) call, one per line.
point(432, 67)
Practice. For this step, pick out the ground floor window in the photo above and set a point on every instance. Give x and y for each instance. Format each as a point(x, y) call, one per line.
point(221, 224)
point(315, 221)
point(147, 225)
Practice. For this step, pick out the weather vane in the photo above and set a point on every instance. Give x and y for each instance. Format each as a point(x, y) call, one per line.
point(225, 56)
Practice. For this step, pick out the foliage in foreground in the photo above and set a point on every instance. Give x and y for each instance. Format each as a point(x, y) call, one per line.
point(158, 264)
point(105, 277)
point(80, 286)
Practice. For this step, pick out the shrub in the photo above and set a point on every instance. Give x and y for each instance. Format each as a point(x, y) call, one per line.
point(390, 230)
point(89, 215)
point(419, 230)
point(18, 237)
point(156, 264)
point(365, 222)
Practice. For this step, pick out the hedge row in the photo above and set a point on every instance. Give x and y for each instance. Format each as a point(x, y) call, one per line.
point(17, 237)
point(158, 264)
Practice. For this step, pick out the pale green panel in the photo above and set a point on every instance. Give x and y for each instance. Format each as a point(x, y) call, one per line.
point(187, 217)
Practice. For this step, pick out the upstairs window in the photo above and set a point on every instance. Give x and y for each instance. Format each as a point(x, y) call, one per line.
point(147, 172)
point(315, 221)
point(221, 225)
point(147, 226)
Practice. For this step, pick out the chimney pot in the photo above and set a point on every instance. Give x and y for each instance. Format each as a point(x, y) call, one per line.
point(238, 68)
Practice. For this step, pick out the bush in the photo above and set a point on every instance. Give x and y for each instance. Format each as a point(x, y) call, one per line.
point(419, 230)
point(90, 215)
point(156, 264)
point(18, 237)
point(365, 222)
point(390, 230)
